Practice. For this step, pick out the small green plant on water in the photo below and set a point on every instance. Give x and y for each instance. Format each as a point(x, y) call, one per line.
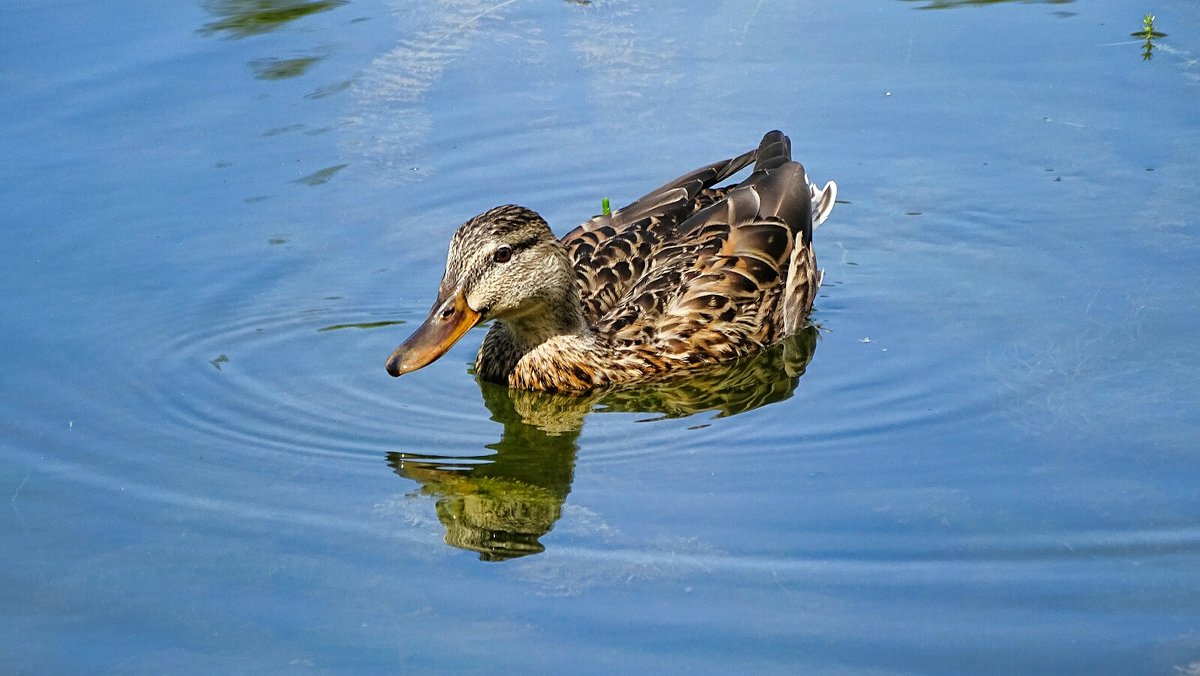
point(1149, 35)
point(606, 209)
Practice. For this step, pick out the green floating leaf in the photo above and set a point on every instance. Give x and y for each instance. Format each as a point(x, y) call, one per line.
point(1148, 31)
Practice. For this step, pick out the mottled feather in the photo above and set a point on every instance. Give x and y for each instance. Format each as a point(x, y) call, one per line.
point(709, 281)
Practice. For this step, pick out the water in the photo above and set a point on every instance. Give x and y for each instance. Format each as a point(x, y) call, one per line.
point(224, 215)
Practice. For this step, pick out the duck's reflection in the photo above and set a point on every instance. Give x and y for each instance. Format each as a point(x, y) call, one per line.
point(501, 504)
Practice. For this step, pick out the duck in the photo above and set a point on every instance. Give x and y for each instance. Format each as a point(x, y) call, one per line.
point(687, 276)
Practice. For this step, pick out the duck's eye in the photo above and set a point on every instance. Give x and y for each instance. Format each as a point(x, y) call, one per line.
point(502, 255)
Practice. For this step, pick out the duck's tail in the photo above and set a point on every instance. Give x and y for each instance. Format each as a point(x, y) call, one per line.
point(774, 151)
point(822, 201)
point(788, 194)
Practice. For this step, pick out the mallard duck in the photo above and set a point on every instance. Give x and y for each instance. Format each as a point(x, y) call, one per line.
point(688, 275)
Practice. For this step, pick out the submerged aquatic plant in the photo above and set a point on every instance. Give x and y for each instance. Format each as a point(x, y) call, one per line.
point(1149, 35)
point(243, 18)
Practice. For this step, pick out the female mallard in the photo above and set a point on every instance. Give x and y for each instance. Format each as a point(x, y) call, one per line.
point(687, 275)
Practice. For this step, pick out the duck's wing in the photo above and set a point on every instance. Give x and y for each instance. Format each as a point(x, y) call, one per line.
point(670, 198)
point(612, 251)
point(733, 277)
point(785, 197)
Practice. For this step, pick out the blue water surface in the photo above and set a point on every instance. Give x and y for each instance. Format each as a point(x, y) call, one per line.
point(223, 215)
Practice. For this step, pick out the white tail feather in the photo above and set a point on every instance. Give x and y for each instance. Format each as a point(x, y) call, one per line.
point(822, 202)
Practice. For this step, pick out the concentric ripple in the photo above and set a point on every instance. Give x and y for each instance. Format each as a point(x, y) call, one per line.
point(307, 381)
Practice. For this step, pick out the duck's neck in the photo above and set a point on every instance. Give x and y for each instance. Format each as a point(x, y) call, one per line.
point(544, 321)
point(546, 327)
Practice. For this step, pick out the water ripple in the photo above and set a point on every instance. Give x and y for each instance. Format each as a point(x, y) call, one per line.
point(283, 381)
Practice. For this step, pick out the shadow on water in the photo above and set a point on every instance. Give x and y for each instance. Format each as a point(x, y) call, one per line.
point(501, 504)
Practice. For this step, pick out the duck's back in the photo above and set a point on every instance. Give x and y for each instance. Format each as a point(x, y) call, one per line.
point(692, 273)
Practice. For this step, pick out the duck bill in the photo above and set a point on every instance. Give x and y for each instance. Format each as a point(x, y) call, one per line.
point(449, 319)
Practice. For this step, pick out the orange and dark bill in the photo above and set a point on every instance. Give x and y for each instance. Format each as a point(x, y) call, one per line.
point(449, 319)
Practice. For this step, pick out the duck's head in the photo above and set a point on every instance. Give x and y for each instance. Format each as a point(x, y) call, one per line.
point(503, 264)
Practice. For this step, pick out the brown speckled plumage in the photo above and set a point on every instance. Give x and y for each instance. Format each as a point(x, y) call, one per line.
point(687, 275)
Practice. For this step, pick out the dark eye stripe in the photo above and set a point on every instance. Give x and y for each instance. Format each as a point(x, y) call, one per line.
point(525, 243)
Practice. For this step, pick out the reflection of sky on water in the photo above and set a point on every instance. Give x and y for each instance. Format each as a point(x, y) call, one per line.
point(389, 123)
point(617, 74)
